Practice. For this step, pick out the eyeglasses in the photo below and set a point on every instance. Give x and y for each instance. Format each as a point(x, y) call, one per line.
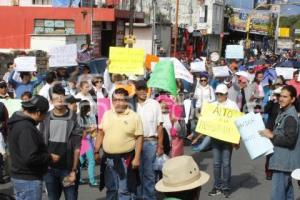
point(203, 80)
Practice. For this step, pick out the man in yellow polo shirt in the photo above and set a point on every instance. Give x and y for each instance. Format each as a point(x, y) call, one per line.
point(121, 135)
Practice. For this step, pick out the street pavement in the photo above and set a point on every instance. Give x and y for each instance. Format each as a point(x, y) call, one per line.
point(248, 179)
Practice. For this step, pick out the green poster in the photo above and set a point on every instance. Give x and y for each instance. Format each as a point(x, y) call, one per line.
point(163, 77)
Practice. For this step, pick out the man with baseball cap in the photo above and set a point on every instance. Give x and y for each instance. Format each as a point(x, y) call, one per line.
point(29, 156)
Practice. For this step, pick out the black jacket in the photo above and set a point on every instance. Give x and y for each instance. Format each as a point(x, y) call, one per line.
point(29, 155)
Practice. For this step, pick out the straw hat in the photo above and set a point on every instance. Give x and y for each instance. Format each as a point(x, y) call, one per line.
point(179, 174)
point(296, 174)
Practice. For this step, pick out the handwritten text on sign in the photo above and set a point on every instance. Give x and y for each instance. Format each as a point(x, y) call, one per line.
point(126, 60)
point(249, 125)
point(218, 122)
point(63, 56)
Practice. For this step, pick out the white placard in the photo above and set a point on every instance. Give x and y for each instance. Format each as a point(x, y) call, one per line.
point(221, 71)
point(234, 52)
point(180, 71)
point(25, 64)
point(249, 126)
point(187, 108)
point(63, 56)
point(286, 72)
point(198, 66)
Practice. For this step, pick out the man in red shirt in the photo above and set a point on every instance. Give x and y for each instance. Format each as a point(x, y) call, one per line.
point(295, 82)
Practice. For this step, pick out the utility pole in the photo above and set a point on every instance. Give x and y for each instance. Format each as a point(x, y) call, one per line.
point(176, 27)
point(131, 20)
point(154, 28)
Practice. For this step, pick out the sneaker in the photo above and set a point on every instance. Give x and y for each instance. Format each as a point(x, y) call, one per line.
point(95, 184)
point(214, 192)
point(226, 193)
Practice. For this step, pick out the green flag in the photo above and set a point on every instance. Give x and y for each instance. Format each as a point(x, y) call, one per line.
point(163, 77)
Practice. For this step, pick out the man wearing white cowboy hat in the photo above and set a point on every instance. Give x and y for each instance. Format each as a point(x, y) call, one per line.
point(182, 179)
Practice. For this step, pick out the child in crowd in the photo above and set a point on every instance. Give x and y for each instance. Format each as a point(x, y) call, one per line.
point(88, 121)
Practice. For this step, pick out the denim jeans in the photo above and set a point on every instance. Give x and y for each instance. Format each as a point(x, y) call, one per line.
point(203, 145)
point(222, 162)
point(91, 164)
point(282, 186)
point(27, 189)
point(116, 189)
point(146, 190)
point(53, 180)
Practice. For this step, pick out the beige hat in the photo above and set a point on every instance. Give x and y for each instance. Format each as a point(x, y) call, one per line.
point(179, 174)
point(222, 88)
point(296, 174)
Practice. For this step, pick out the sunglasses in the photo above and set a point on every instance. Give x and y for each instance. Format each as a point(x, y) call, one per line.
point(220, 94)
point(203, 80)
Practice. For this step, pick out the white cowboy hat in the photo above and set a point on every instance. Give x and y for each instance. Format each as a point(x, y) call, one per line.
point(296, 174)
point(179, 174)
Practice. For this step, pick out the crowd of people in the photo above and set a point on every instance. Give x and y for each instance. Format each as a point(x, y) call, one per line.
point(59, 130)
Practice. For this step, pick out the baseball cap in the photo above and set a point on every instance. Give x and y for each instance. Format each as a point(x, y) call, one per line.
point(222, 88)
point(72, 99)
point(243, 74)
point(36, 103)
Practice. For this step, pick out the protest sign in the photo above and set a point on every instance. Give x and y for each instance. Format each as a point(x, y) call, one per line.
point(180, 71)
point(218, 122)
point(25, 64)
point(63, 56)
point(103, 105)
point(221, 71)
point(234, 52)
point(149, 60)
point(286, 72)
point(187, 108)
point(12, 105)
point(128, 61)
point(249, 126)
point(198, 66)
point(163, 77)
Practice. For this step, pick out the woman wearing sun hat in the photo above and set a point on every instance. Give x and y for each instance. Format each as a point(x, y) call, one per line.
point(182, 179)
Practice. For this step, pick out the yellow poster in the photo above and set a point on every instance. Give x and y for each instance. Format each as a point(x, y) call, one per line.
point(126, 60)
point(218, 122)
